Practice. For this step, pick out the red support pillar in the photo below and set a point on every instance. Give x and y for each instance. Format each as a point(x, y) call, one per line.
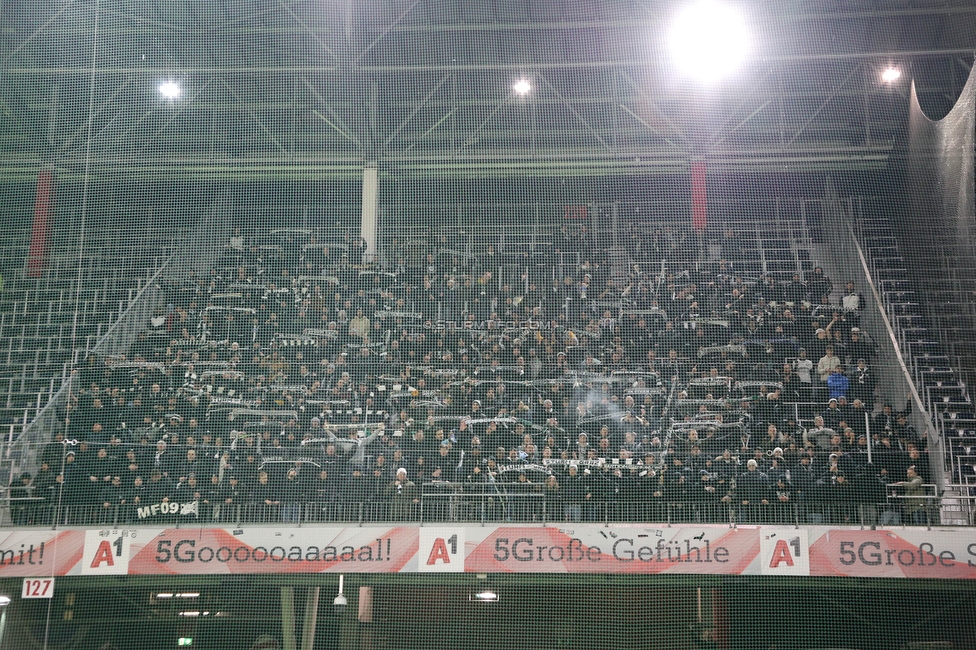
point(37, 255)
point(720, 620)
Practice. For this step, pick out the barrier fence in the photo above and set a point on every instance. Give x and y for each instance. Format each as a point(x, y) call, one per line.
point(472, 504)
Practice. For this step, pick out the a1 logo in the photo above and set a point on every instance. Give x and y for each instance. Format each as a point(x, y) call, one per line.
point(106, 552)
point(441, 550)
point(784, 551)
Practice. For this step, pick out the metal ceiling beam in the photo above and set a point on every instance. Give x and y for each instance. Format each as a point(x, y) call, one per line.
point(464, 169)
point(576, 113)
point(632, 138)
point(151, 27)
point(67, 143)
point(759, 109)
point(168, 70)
point(247, 18)
point(472, 67)
point(640, 93)
point(34, 34)
point(653, 130)
point(284, 20)
point(639, 21)
point(172, 118)
point(307, 29)
point(133, 125)
point(468, 141)
point(254, 116)
point(648, 23)
point(143, 20)
point(386, 31)
point(822, 106)
point(500, 156)
point(574, 65)
point(40, 104)
point(757, 88)
point(336, 128)
point(343, 129)
point(430, 130)
point(416, 110)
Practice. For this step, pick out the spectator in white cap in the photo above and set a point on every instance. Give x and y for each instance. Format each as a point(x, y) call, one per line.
point(403, 495)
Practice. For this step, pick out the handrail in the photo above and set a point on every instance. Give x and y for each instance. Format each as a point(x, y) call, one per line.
point(895, 326)
point(151, 283)
point(47, 416)
point(919, 404)
point(895, 510)
point(195, 255)
point(921, 400)
point(843, 247)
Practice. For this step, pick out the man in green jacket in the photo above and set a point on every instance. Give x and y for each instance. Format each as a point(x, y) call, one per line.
point(915, 501)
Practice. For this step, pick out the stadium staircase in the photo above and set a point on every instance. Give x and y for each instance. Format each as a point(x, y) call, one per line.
point(46, 321)
point(928, 343)
point(96, 300)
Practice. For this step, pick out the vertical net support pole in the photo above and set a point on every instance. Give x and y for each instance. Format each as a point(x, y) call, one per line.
point(310, 622)
point(288, 618)
point(367, 221)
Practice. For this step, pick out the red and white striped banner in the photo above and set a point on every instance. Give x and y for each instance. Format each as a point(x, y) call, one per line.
point(584, 548)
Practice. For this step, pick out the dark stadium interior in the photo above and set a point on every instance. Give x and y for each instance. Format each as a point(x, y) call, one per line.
point(559, 613)
point(298, 266)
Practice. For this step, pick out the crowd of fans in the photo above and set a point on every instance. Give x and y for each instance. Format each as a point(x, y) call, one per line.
point(297, 379)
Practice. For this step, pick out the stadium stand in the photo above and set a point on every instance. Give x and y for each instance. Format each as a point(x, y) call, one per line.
point(547, 325)
point(676, 378)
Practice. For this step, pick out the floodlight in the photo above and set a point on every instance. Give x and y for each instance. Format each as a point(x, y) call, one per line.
point(486, 596)
point(170, 90)
point(522, 86)
point(4, 601)
point(890, 75)
point(709, 40)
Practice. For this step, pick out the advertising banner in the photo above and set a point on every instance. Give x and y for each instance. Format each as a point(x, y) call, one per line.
point(583, 548)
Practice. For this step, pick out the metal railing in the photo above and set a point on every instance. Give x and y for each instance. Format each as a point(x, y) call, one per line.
point(117, 339)
point(941, 424)
point(938, 420)
point(885, 305)
point(898, 385)
point(486, 508)
point(196, 254)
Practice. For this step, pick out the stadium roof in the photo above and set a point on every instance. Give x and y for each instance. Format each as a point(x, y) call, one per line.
point(424, 87)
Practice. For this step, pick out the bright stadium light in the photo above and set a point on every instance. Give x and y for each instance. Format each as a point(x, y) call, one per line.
point(891, 75)
point(169, 90)
point(709, 41)
point(522, 87)
point(485, 596)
